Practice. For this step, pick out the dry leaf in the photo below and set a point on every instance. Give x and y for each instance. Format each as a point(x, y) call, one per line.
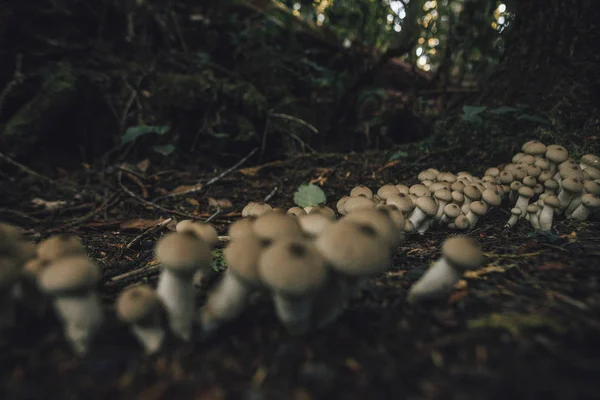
point(185, 188)
point(222, 203)
point(389, 165)
point(48, 205)
point(139, 224)
point(552, 266)
point(193, 202)
point(143, 165)
point(251, 171)
point(483, 271)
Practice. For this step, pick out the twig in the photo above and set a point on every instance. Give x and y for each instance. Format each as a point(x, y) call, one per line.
point(26, 170)
point(270, 195)
point(199, 187)
point(18, 214)
point(88, 216)
point(149, 203)
point(135, 272)
point(14, 82)
point(566, 299)
point(149, 231)
point(296, 120)
point(211, 217)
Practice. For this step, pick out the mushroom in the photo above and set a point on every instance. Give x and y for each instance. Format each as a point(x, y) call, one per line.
point(324, 210)
point(402, 202)
point(570, 187)
point(550, 186)
point(551, 203)
point(228, 299)
point(274, 226)
point(59, 246)
point(515, 215)
point(491, 198)
point(386, 191)
point(241, 227)
point(71, 282)
point(477, 209)
point(443, 196)
point(181, 256)
point(256, 209)
point(354, 252)
point(361, 190)
point(140, 307)
point(451, 212)
point(340, 205)
point(525, 193)
point(460, 223)
point(589, 160)
point(459, 253)
point(425, 209)
point(532, 210)
point(381, 222)
point(589, 203)
point(294, 271)
point(471, 193)
point(357, 203)
point(313, 224)
point(204, 231)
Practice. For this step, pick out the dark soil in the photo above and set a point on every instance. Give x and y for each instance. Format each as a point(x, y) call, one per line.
point(525, 326)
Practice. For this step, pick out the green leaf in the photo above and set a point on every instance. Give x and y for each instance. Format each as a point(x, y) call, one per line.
point(398, 155)
point(503, 110)
point(533, 118)
point(472, 118)
point(134, 132)
point(165, 150)
point(309, 195)
point(473, 110)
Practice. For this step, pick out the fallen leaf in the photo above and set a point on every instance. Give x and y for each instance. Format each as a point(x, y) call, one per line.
point(483, 271)
point(389, 165)
point(48, 205)
point(185, 188)
point(222, 203)
point(457, 296)
point(143, 165)
point(193, 202)
point(552, 266)
point(139, 224)
point(250, 171)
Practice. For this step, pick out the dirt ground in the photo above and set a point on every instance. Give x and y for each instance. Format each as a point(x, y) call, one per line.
point(526, 325)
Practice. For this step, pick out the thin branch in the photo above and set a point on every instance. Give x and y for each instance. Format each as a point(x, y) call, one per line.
point(207, 220)
point(26, 170)
point(149, 231)
point(199, 187)
point(296, 120)
point(270, 195)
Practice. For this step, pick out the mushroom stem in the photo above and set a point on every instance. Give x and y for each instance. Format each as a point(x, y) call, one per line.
point(534, 220)
point(293, 312)
point(581, 213)
point(333, 300)
point(437, 281)
point(82, 316)
point(177, 294)
point(417, 217)
point(522, 203)
point(151, 337)
point(225, 302)
point(546, 218)
point(512, 221)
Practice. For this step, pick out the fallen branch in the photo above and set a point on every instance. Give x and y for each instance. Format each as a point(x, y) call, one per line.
point(149, 231)
point(200, 186)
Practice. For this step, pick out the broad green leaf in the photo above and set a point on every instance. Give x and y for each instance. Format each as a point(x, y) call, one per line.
point(473, 110)
point(309, 195)
point(503, 110)
point(165, 150)
point(472, 118)
point(134, 132)
point(533, 118)
point(398, 155)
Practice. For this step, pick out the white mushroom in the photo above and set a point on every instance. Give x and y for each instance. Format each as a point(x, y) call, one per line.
point(459, 253)
point(515, 214)
point(551, 203)
point(589, 202)
point(532, 210)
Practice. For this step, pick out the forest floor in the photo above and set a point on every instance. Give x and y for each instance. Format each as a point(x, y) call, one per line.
point(525, 325)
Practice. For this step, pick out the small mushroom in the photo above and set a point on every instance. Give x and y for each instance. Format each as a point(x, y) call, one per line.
point(361, 190)
point(570, 188)
point(241, 228)
point(274, 226)
point(324, 210)
point(551, 203)
point(357, 203)
point(141, 308)
point(181, 256)
point(589, 203)
point(459, 253)
point(461, 223)
point(525, 194)
point(425, 209)
point(313, 224)
point(204, 231)
point(298, 211)
point(71, 282)
point(477, 209)
point(515, 215)
point(381, 222)
point(451, 212)
point(294, 271)
point(228, 299)
point(532, 210)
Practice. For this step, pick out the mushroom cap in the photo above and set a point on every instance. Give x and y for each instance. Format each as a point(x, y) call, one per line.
point(542, 164)
point(204, 231)
point(491, 197)
point(242, 256)
point(592, 172)
point(529, 181)
point(138, 304)
point(516, 211)
point(439, 185)
point(420, 190)
point(403, 188)
point(532, 208)
point(59, 246)
point(527, 159)
point(241, 227)
point(492, 171)
point(361, 190)
point(409, 227)
point(556, 153)
point(427, 175)
point(35, 266)
point(73, 273)
point(297, 211)
point(516, 185)
point(256, 209)
point(457, 196)
point(340, 205)
point(533, 171)
point(324, 210)
point(534, 147)
point(526, 191)
point(571, 172)
point(443, 194)
point(478, 208)
point(452, 210)
point(461, 222)
point(505, 177)
point(519, 172)
point(462, 252)
point(273, 226)
point(590, 160)
point(447, 177)
point(551, 184)
point(402, 202)
point(551, 201)
point(472, 192)
point(572, 185)
point(9, 235)
point(353, 249)
point(387, 190)
point(292, 267)
point(358, 203)
point(592, 187)
point(427, 205)
point(590, 200)
point(313, 224)
point(246, 211)
point(379, 220)
point(183, 253)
